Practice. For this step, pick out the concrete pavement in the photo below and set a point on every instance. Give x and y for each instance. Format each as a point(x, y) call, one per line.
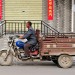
point(35, 68)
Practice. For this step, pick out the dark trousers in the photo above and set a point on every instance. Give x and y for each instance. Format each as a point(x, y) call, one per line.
point(26, 49)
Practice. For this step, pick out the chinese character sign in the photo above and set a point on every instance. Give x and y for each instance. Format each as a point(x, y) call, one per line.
point(50, 9)
point(0, 9)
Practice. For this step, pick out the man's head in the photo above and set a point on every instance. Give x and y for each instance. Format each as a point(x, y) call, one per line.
point(28, 24)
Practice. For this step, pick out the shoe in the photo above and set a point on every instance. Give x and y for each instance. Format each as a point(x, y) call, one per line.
point(25, 57)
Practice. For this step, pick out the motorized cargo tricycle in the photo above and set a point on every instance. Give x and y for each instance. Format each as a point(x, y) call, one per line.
point(56, 48)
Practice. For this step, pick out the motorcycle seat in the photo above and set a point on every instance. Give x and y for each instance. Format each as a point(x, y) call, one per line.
point(34, 47)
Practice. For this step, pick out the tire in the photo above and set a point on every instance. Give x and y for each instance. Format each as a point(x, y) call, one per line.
point(65, 61)
point(8, 61)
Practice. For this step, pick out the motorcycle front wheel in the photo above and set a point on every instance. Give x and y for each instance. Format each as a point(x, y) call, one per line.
point(6, 60)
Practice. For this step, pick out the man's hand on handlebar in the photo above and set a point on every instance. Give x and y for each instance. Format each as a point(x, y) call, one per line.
point(20, 36)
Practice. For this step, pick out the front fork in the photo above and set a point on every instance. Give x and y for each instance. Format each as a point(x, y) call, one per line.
point(8, 53)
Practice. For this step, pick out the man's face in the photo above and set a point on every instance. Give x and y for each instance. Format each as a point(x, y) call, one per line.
point(27, 25)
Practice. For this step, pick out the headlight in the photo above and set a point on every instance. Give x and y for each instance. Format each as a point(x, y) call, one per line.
point(9, 42)
point(10, 37)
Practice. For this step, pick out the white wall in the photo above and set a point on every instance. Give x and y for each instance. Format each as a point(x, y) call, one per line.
point(62, 15)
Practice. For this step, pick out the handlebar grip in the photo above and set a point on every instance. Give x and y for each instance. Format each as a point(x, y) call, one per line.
point(17, 36)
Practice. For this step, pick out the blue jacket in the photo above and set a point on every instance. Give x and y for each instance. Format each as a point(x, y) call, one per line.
point(30, 36)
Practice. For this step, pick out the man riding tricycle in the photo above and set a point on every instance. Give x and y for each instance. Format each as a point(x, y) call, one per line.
point(24, 47)
point(33, 46)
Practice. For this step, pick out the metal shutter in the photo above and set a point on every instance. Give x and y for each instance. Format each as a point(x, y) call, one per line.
point(23, 9)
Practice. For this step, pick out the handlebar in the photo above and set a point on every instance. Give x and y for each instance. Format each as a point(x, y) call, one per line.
point(13, 37)
point(17, 36)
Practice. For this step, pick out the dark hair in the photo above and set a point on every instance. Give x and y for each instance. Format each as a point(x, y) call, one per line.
point(30, 23)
